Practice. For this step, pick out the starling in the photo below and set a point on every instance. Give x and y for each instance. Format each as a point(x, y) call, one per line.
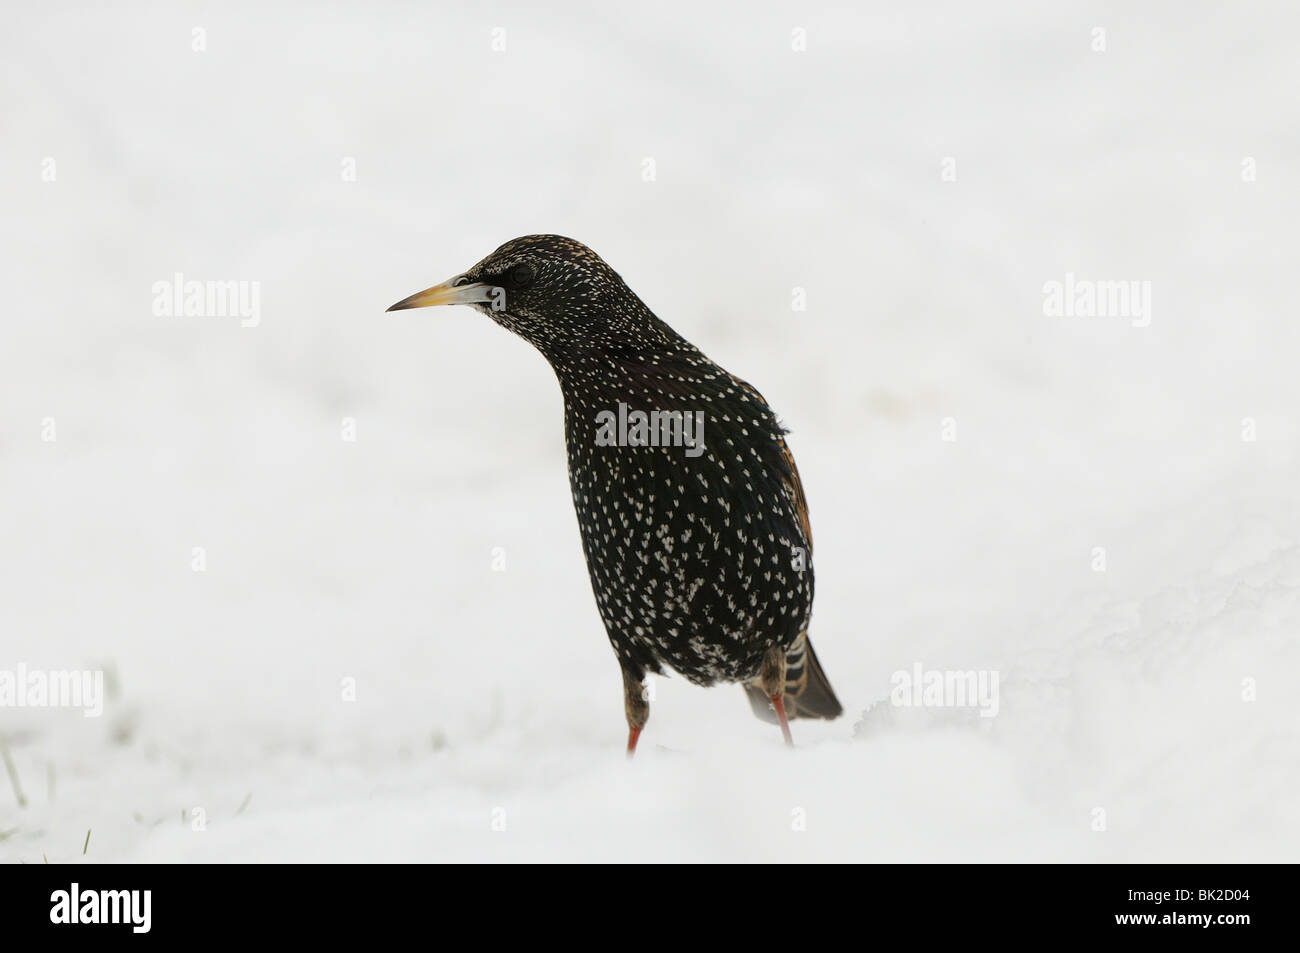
point(692, 515)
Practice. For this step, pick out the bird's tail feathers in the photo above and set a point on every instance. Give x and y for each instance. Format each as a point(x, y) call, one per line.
point(808, 693)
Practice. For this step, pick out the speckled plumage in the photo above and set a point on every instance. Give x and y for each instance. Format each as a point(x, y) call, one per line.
point(699, 558)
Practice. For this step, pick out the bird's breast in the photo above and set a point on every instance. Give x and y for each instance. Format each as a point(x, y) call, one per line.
point(694, 545)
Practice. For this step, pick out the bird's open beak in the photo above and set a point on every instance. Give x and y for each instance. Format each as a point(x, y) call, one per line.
point(449, 292)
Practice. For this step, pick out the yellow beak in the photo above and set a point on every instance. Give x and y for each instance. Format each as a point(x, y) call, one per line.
point(449, 292)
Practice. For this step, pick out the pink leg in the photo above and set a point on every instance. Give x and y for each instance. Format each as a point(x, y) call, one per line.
point(778, 705)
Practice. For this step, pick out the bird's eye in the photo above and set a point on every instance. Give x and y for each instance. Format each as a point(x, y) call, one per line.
point(521, 274)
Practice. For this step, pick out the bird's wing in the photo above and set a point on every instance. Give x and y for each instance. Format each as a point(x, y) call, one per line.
point(808, 692)
point(789, 472)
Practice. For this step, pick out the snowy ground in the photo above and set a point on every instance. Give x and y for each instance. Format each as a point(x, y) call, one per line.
point(1146, 711)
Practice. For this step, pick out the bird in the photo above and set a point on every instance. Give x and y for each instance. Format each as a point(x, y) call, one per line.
point(692, 516)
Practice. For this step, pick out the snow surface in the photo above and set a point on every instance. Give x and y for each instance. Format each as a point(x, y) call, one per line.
point(490, 699)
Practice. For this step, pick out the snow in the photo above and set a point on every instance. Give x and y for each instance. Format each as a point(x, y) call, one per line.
point(1146, 710)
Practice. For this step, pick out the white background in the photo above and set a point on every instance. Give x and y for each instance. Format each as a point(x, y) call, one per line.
point(487, 695)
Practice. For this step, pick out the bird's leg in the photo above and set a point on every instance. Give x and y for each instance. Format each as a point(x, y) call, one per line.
point(636, 705)
point(772, 677)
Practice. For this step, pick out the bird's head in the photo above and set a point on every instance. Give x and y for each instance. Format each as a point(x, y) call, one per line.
point(552, 291)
